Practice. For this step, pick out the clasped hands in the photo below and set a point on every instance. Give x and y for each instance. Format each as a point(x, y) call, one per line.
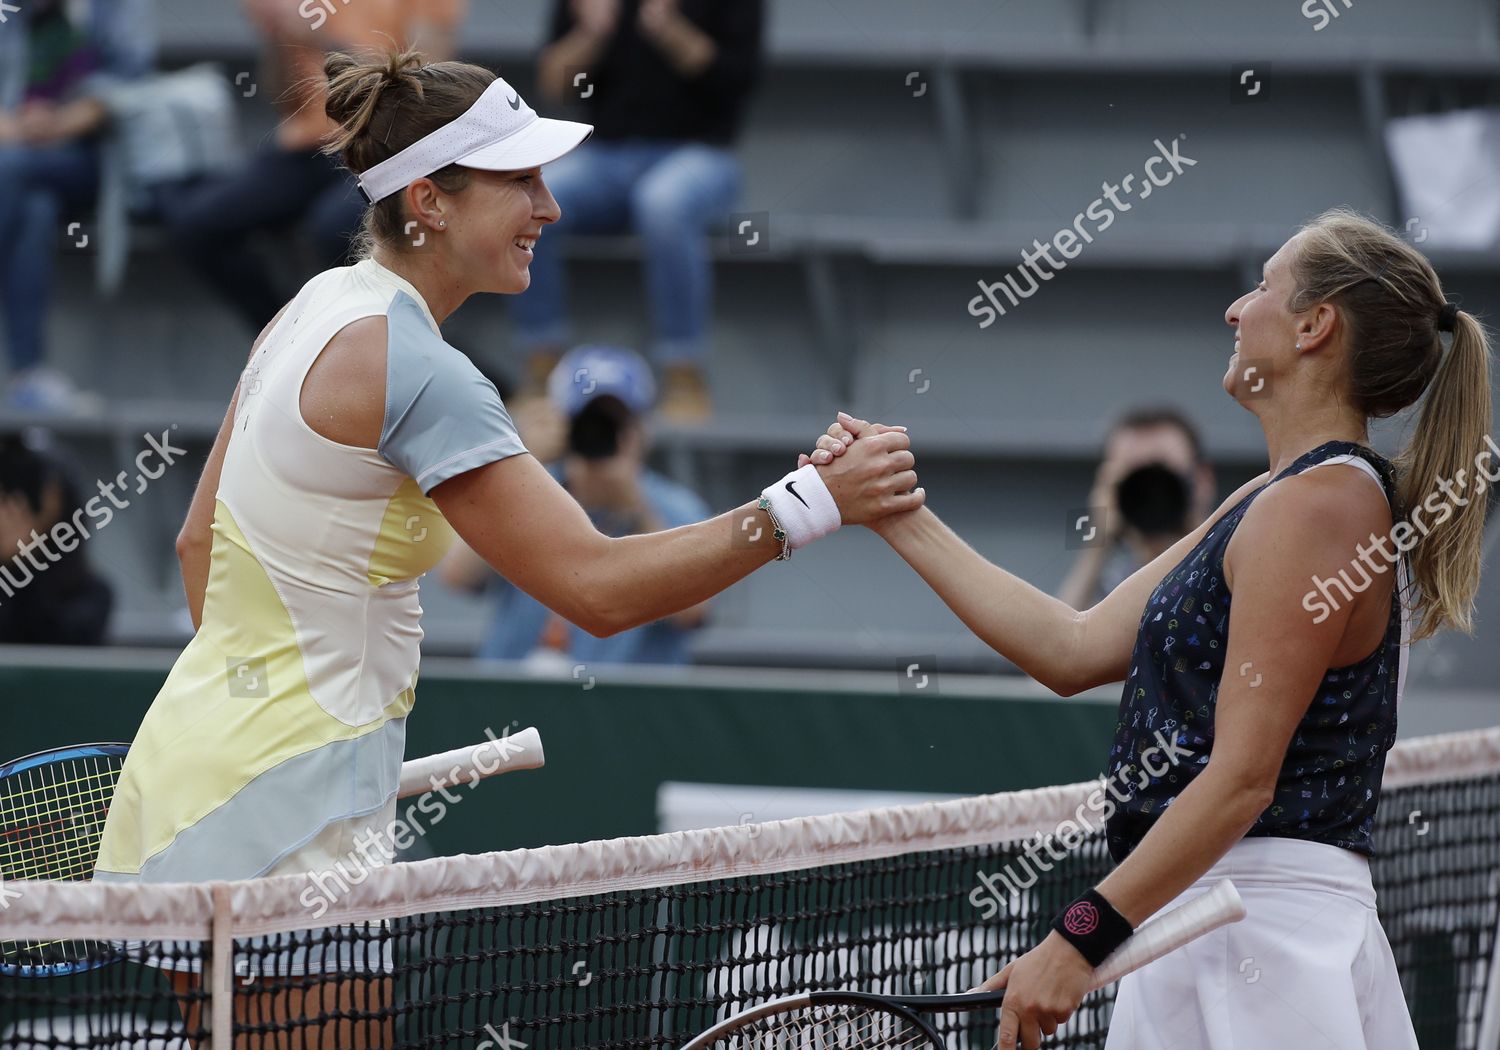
point(868, 468)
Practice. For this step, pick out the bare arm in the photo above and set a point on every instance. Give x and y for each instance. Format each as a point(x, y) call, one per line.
point(1084, 577)
point(1064, 649)
point(685, 46)
point(280, 22)
point(46, 124)
point(195, 542)
point(465, 570)
point(593, 23)
point(578, 48)
point(434, 27)
point(527, 527)
point(693, 617)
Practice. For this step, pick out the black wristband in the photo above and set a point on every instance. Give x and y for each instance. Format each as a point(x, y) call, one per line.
point(1092, 925)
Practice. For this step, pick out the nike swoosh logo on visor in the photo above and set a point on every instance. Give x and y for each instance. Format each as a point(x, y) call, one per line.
point(515, 103)
point(794, 492)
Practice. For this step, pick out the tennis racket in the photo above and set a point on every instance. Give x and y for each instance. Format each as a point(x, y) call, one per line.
point(865, 1021)
point(53, 805)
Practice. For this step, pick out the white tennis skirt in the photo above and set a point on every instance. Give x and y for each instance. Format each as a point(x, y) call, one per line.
point(1308, 967)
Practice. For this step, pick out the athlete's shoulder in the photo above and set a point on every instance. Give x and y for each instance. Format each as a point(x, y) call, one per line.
point(443, 416)
point(419, 362)
point(344, 393)
point(336, 286)
point(1326, 511)
point(1236, 497)
point(409, 334)
point(1342, 489)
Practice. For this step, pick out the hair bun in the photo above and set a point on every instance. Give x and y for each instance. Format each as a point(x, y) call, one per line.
point(355, 87)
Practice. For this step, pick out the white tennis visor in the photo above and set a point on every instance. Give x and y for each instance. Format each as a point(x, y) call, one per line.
point(499, 132)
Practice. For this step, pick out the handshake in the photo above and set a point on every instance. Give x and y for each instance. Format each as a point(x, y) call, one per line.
point(868, 470)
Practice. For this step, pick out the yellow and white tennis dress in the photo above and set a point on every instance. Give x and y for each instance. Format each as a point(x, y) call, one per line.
point(278, 736)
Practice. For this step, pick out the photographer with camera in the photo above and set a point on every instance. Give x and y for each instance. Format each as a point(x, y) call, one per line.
point(58, 599)
point(603, 395)
point(1152, 488)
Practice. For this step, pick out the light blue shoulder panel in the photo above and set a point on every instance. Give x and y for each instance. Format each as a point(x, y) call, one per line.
point(442, 416)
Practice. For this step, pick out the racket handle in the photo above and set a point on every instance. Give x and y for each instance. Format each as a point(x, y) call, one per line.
point(469, 765)
point(1218, 907)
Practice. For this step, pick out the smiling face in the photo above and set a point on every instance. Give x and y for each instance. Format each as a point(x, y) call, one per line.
point(1266, 332)
point(493, 226)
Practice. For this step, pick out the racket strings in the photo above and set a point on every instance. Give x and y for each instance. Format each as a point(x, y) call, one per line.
point(835, 1026)
point(51, 821)
point(51, 818)
point(41, 793)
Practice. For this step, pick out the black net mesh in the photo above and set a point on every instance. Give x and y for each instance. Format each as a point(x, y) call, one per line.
point(124, 999)
point(649, 968)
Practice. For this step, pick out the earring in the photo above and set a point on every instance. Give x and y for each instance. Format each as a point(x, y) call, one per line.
point(1299, 346)
point(442, 222)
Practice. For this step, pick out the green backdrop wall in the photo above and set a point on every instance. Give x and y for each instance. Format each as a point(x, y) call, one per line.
point(611, 745)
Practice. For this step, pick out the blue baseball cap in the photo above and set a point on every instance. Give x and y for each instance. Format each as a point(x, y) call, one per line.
point(596, 370)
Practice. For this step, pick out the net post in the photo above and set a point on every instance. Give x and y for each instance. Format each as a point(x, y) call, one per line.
point(220, 980)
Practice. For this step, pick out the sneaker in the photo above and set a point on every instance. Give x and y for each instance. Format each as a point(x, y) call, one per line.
point(684, 395)
point(44, 391)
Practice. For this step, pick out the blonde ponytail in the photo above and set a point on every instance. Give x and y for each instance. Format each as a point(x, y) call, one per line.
point(1448, 438)
point(1392, 305)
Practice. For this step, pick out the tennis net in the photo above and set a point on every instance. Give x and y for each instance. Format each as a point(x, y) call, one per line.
point(640, 943)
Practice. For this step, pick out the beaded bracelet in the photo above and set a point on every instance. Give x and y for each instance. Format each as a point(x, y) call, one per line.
point(777, 531)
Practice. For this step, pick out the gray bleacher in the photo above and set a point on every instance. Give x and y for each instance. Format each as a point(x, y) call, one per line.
point(903, 152)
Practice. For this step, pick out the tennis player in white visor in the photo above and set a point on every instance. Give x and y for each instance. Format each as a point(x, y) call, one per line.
point(357, 443)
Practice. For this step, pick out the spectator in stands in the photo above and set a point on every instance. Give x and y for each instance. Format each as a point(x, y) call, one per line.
point(1152, 488)
point(57, 62)
point(604, 393)
point(664, 83)
point(290, 180)
point(49, 595)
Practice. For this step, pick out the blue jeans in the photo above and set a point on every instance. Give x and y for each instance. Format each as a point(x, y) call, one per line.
point(214, 221)
point(42, 188)
point(669, 193)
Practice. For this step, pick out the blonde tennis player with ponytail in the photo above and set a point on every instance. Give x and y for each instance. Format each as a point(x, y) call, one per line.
point(1278, 719)
point(357, 443)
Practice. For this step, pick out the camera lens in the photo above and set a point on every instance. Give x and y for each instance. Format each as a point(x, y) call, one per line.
point(1153, 500)
point(595, 431)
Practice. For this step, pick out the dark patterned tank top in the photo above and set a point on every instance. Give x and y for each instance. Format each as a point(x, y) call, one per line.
point(1330, 780)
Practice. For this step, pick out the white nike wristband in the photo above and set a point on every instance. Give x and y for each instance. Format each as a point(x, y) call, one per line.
point(804, 506)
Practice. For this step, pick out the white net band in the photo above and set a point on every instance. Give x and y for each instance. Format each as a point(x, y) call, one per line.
point(279, 904)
